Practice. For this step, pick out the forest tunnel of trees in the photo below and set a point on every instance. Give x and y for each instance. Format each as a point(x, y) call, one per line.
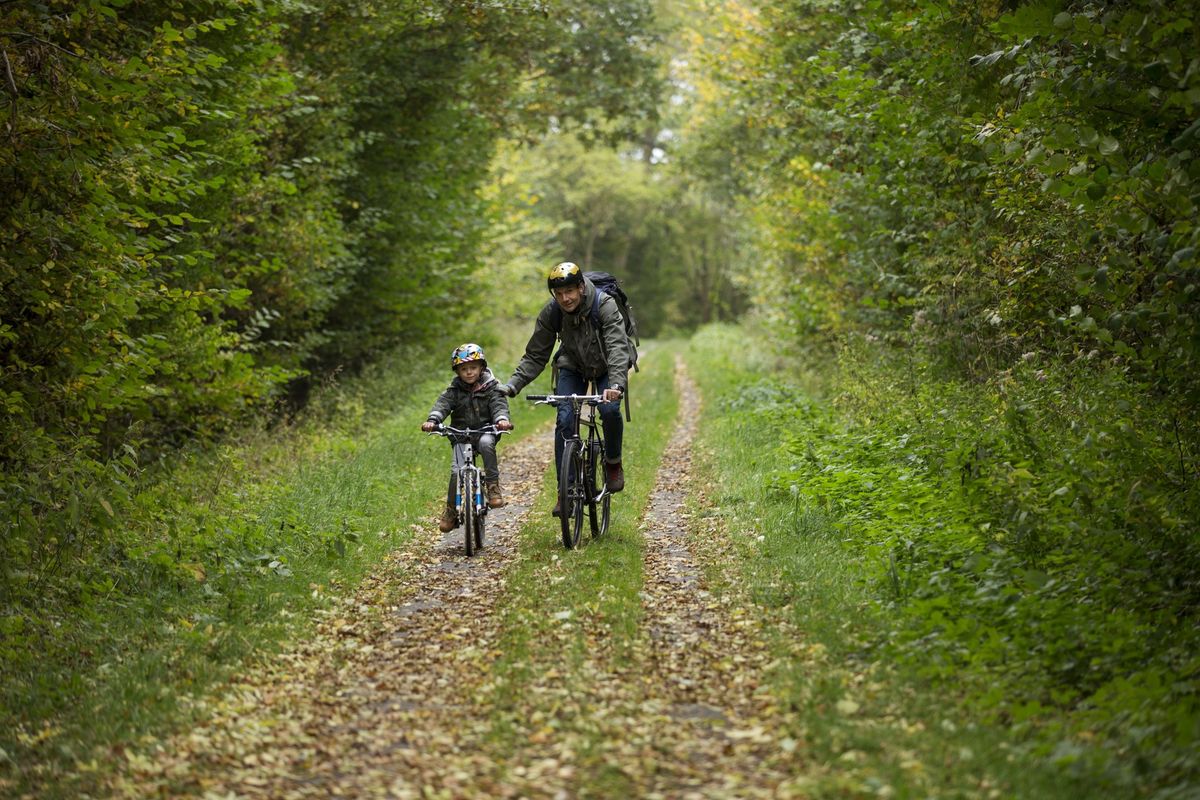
point(980, 217)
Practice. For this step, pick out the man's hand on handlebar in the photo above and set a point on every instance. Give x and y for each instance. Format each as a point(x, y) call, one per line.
point(428, 425)
point(504, 425)
point(612, 394)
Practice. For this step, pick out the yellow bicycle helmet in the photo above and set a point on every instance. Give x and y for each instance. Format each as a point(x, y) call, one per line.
point(565, 274)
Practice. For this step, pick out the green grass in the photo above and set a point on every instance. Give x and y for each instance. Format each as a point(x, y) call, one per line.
point(873, 727)
point(231, 554)
point(595, 587)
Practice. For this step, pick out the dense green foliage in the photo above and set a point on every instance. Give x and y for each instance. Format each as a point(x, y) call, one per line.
point(984, 214)
point(828, 494)
point(669, 243)
point(994, 182)
point(1024, 560)
point(207, 201)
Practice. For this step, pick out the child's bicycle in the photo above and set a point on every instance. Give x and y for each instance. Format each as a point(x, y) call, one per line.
point(470, 504)
point(581, 480)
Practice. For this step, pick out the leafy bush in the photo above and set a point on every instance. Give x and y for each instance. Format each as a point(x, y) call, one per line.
point(1028, 534)
point(995, 204)
point(1026, 541)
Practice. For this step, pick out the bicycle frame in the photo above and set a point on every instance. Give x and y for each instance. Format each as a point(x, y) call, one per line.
point(469, 502)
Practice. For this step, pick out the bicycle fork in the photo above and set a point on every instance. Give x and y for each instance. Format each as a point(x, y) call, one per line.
point(597, 463)
point(476, 498)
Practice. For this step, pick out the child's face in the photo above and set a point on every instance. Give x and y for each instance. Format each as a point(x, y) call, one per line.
point(470, 371)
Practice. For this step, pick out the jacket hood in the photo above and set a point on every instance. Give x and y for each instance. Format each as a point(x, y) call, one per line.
point(486, 381)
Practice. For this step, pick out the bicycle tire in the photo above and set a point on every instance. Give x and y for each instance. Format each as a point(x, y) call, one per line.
point(571, 496)
point(469, 518)
point(599, 513)
point(480, 517)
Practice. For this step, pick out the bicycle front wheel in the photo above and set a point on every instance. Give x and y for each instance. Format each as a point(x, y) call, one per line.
point(598, 512)
point(480, 517)
point(571, 495)
point(470, 519)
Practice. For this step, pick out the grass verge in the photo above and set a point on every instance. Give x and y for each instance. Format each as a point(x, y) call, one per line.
point(872, 726)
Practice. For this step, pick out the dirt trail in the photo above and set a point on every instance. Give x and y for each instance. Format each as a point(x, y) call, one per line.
point(378, 701)
point(691, 717)
point(706, 659)
point(390, 696)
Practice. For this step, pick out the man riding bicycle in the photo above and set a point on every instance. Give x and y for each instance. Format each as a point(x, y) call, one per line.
point(590, 352)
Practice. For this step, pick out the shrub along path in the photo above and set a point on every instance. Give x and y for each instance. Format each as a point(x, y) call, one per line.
point(392, 697)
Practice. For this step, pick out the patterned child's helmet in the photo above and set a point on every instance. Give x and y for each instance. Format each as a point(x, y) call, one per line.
point(565, 274)
point(466, 353)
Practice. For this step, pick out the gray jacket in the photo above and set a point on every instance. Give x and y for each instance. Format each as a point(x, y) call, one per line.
point(486, 405)
point(581, 349)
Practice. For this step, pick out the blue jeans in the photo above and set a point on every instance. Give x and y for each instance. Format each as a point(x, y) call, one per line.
point(571, 382)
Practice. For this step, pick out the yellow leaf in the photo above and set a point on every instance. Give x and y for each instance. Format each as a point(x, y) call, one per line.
point(847, 706)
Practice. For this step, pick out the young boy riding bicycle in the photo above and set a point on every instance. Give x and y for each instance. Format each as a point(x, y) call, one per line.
point(472, 400)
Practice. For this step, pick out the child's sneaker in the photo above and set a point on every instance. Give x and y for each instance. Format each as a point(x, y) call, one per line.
point(449, 520)
point(494, 498)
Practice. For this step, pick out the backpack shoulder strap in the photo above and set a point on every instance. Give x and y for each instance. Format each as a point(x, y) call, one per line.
point(596, 309)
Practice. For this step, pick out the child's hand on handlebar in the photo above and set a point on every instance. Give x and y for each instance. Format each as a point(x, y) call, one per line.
point(504, 425)
point(428, 425)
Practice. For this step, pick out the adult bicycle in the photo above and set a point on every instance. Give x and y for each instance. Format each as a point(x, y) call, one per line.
point(582, 479)
point(470, 504)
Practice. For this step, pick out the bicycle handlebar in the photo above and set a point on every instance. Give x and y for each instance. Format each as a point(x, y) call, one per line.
point(558, 398)
point(447, 430)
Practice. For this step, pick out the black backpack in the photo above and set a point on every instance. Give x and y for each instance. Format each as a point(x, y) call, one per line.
point(609, 285)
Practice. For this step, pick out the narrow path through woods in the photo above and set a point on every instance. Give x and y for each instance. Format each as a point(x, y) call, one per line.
point(377, 702)
point(690, 715)
point(390, 697)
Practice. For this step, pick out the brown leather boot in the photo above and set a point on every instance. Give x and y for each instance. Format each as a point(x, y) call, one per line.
point(494, 498)
point(449, 520)
point(557, 512)
point(615, 476)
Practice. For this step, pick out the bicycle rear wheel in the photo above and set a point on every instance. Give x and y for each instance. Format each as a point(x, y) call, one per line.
point(598, 512)
point(470, 520)
point(571, 495)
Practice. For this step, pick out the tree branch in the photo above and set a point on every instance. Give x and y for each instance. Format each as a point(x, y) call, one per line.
point(46, 42)
point(12, 83)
